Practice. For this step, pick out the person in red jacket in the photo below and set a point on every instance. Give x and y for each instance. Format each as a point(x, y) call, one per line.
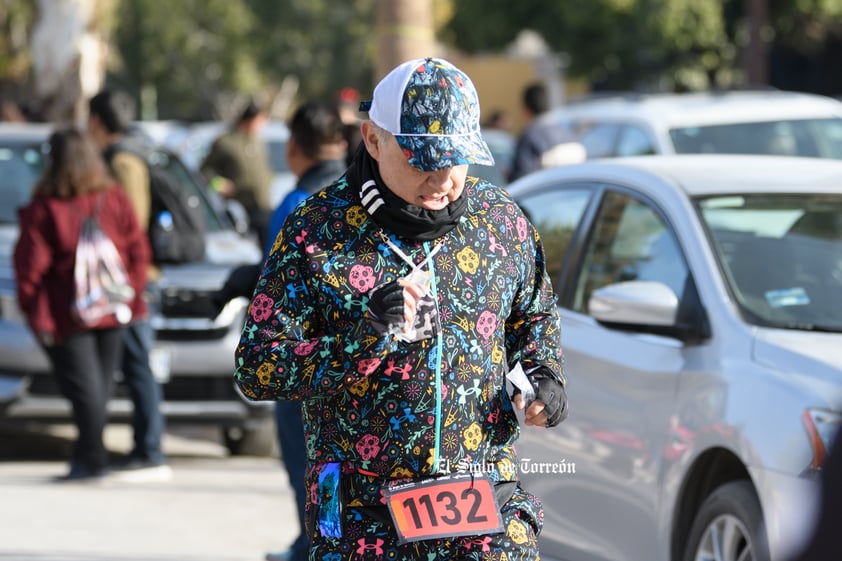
point(74, 186)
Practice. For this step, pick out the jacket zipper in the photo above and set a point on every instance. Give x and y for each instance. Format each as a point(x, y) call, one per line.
point(439, 352)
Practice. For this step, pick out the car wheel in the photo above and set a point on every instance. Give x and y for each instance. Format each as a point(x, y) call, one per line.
point(729, 526)
point(252, 440)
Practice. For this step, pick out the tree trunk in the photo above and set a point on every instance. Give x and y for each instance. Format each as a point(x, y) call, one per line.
point(405, 30)
point(68, 58)
point(756, 54)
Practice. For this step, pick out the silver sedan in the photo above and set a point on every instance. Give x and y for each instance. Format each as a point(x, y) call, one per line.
point(701, 303)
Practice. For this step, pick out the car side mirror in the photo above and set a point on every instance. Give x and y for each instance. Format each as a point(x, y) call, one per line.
point(635, 303)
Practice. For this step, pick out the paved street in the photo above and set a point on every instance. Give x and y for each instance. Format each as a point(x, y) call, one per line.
point(216, 508)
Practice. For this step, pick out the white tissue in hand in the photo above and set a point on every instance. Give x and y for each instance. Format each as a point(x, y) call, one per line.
point(518, 378)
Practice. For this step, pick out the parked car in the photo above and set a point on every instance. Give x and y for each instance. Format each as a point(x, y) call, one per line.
point(193, 355)
point(701, 308)
point(502, 146)
point(731, 122)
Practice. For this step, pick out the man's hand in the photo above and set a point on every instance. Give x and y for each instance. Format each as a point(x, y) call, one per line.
point(549, 407)
point(393, 305)
point(223, 186)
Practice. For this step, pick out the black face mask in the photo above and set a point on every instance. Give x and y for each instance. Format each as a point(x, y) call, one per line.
point(395, 214)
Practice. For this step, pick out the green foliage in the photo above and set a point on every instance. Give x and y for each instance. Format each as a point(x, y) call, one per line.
point(190, 51)
point(326, 44)
point(805, 25)
point(200, 54)
point(617, 44)
point(16, 21)
point(646, 44)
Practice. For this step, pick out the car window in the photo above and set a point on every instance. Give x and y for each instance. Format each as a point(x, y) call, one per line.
point(808, 137)
point(629, 242)
point(828, 137)
point(634, 141)
point(556, 214)
point(781, 256)
point(492, 174)
point(20, 168)
point(599, 138)
point(502, 146)
point(277, 155)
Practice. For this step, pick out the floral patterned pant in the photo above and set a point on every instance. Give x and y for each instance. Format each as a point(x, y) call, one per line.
point(373, 539)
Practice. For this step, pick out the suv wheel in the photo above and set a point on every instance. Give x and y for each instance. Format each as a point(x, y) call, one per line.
point(259, 439)
point(729, 526)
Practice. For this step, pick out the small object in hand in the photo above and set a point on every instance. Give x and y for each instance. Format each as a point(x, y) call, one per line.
point(386, 306)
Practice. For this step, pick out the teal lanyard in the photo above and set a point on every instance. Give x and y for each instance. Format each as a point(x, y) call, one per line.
point(434, 290)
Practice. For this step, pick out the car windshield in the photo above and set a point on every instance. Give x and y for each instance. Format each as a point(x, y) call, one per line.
point(20, 168)
point(818, 138)
point(781, 256)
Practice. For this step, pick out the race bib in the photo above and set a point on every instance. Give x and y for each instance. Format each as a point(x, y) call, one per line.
point(454, 505)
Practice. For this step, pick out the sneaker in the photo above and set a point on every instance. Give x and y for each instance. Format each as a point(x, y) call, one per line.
point(134, 470)
point(82, 474)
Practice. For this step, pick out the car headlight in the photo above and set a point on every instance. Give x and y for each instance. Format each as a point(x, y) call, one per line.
point(822, 427)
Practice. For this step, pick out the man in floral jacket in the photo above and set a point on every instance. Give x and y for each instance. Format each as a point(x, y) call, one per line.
point(395, 304)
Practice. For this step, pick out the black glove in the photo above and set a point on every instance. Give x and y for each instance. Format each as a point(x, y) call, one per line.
point(385, 306)
point(550, 391)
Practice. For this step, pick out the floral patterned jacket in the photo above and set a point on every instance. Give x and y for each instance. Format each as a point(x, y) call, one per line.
point(385, 407)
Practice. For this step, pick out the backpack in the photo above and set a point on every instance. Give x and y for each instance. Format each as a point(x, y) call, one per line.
point(101, 283)
point(176, 221)
point(177, 227)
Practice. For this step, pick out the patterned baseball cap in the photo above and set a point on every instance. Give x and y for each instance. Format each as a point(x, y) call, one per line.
point(432, 109)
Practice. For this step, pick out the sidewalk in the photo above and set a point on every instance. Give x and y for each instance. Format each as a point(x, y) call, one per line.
point(215, 508)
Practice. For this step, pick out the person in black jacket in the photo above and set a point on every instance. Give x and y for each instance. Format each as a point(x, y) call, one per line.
point(395, 304)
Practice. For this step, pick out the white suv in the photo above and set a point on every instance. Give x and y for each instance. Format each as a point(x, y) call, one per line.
point(734, 122)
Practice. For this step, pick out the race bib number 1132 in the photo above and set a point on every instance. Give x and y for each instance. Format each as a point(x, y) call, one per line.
point(455, 505)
